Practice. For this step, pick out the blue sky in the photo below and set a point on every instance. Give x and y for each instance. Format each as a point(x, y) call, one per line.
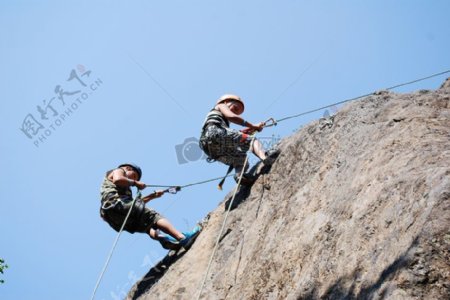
point(137, 78)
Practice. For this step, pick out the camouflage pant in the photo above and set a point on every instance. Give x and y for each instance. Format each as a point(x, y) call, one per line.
point(141, 218)
point(226, 145)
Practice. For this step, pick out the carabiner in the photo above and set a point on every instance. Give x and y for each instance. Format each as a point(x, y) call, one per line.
point(173, 190)
point(270, 122)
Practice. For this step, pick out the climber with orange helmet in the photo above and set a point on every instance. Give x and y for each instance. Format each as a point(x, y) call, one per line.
point(117, 198)
point(230, 146)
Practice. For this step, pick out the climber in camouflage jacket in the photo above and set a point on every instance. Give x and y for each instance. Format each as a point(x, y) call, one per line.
point(117, 198)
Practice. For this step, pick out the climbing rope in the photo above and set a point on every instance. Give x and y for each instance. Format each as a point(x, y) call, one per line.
point(273, 122)
point(224, 222)
point(138, 196)
point(187, 185)
point(169, 189)
point(173, 189)
point(359, 97)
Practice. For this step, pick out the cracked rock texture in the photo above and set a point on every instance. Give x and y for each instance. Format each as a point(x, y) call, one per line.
point(357, 206)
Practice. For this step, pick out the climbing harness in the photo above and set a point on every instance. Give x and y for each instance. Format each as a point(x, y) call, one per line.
point(246, 131)
point(230, 168)
point(111, 202)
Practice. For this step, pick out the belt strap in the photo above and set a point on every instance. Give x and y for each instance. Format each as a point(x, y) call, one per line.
point(112, 199)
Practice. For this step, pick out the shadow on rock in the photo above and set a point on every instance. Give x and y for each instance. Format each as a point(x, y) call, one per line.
point(156, 273)
point(244, 191)
point(340, 290)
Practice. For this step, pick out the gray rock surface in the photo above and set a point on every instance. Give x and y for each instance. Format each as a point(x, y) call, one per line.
point(357, 206)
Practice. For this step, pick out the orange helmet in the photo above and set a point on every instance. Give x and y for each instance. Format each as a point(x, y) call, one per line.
point(231, 97)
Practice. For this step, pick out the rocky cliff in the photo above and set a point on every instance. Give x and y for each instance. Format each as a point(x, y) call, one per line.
point(357, 206)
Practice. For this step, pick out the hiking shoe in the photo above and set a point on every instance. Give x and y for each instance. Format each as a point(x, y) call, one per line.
point(168, 242)
point(247, 179)
point(271, 156)
point(189, 237)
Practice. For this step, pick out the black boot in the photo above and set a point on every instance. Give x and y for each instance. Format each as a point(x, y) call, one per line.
point(271, 156)
point(247, 179)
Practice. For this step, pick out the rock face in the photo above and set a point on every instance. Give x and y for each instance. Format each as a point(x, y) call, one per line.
point(357, 206)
